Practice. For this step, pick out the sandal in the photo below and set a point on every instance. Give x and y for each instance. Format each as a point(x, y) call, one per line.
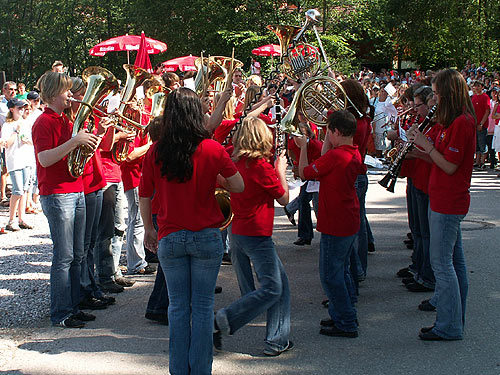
point(23, 225)
point(5, 202)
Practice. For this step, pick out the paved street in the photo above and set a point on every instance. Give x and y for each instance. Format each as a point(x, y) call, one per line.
point(122, 342)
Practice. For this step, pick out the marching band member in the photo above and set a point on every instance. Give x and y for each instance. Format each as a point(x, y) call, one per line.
point(251, 241)
point(452, 157)
point(181, 170)
point(62, 198)
point(338, 218)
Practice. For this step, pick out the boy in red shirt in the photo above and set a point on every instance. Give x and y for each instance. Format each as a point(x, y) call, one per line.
point(338, 218)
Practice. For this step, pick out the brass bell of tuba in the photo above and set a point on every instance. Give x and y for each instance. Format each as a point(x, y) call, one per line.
point(300, 60)
point(219, 83)
point(208, 72)
point(224, 201)
point(100, 82)
point(316, 98)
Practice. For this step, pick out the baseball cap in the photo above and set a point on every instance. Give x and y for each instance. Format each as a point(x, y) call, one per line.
point(33, 95)
point(14, 102)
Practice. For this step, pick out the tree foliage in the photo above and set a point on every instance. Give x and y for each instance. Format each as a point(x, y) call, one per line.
point(431, 33)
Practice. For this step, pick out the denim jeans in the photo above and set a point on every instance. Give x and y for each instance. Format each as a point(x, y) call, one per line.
point(191, 262)
point(337, 281)
point(135, 233)
point(424, 274)
point(158, 300)
point(120, 228)
point(293, 206)
point(359, 256)
point(305, 225)
point(448, 264)
point(88, 285)
point(273, 295)
point(104, 260)
point(412, 222)
point(66, 216)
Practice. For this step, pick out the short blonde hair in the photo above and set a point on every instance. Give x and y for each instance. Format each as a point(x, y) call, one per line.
point(53, 84)
point(253, 139)
point(229, 109)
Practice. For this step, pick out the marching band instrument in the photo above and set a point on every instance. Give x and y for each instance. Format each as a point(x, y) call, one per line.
point(389, 180)
point(100, 82)
point(224, 201)
point(315, 99)
point(299, 60)
point(209, 71)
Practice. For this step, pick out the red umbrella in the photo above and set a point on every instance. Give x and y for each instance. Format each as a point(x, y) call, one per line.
point(127, 43)
point(142, 60)
point(184, 64)
point(267, 50)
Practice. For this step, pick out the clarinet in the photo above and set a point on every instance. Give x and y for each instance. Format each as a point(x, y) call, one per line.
point(389, 180)
point(279, 144)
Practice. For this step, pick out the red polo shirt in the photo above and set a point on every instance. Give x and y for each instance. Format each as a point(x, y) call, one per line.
point(51, 130)
point(189, 205)
point(254, 208)
point(450, 194)
point(338, 209)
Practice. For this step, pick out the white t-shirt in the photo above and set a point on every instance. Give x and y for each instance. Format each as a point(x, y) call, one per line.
point(3, 112)
point(19, 154)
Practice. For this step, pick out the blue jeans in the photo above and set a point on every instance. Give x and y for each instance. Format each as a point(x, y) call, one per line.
point(481, 145)
point(448, 264)
point(191, 262)
point(337, 281)
point(104, 259)
point(305, 225)
point(411, 204)
point(272, 297)
point(66, 216)
point(93, 205)
point(158, 300)
point(424, 274)
point(293, 206)
point(135, 233)
point(359, 256)
point(20, 179)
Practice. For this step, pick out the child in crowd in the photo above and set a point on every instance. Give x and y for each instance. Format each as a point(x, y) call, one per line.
point(338, 218)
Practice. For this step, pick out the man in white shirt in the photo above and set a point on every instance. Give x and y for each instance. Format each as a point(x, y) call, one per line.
point(384, 111)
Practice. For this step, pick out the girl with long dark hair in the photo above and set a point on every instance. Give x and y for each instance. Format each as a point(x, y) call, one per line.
point(182, 170)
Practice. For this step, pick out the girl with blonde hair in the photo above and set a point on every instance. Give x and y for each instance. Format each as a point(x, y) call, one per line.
point(251, 240)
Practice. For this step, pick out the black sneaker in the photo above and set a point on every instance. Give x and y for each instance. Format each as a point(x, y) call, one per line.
point(160, 318)
point(418, 288)
point(408, 280)
point(425, 305)
point(334, 331)
point(148, 270)
point(92, 303)
point(108, 300)
point(84, 317)
point(326, 322)
point(371, 247)
point(71, 322)
point(274, 353)
point(217, 337)
point(111, 287)
point(218, 289)
point(404, 272)
point(226, 259)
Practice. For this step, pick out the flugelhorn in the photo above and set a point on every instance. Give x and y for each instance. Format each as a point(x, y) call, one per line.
point(100, 82)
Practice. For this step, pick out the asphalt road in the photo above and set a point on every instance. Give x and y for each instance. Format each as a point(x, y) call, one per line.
point(122, 342)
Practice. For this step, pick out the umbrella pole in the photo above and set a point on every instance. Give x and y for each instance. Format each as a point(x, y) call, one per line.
point(128, 57)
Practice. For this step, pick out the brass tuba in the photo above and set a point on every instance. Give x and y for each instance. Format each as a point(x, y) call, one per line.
point(228, 64)
point(300, 60)
point(208, 72)
point(100, 82)
point(315, 99)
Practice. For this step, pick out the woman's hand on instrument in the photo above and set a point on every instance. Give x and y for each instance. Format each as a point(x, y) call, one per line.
point(416, 136)
point(280, 163)
point(151, 240)
point(301, 141)
point(84, 138)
